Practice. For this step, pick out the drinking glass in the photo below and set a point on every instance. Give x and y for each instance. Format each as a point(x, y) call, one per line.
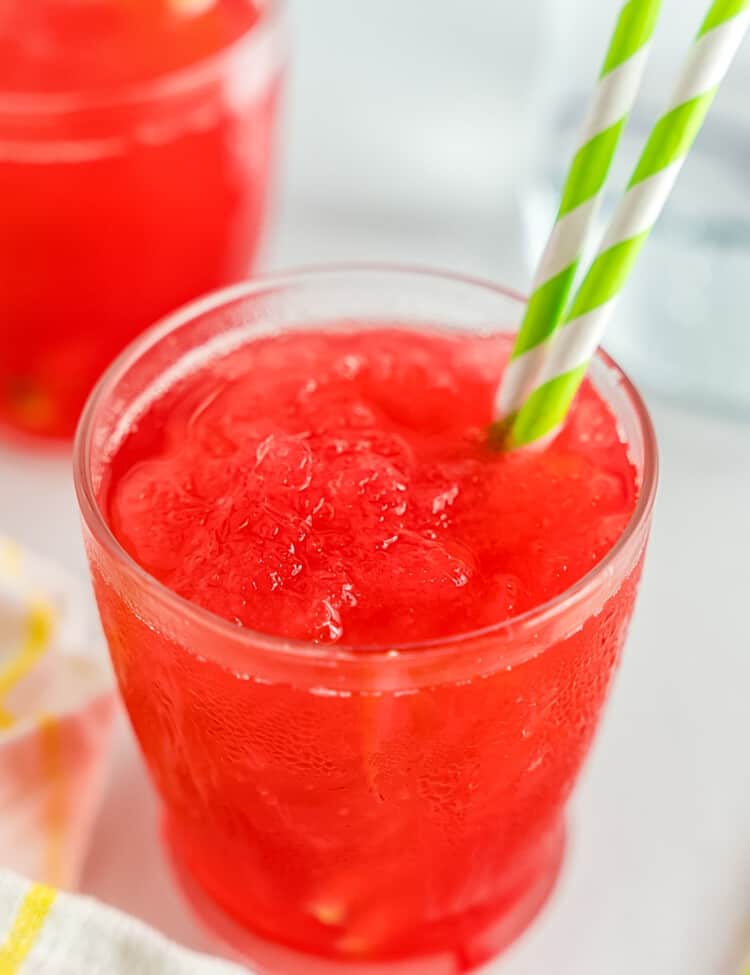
point(121, 204)
point(339, 808)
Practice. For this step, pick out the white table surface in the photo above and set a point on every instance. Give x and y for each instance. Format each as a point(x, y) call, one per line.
point(657, 878)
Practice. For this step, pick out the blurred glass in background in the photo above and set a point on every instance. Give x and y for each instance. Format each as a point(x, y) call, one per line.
point(681, 328)
point(135, 148)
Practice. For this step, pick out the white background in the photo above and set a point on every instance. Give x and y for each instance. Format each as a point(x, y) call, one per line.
point(410, 135)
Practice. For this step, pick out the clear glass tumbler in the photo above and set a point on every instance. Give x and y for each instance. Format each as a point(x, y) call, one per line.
point(335, 808)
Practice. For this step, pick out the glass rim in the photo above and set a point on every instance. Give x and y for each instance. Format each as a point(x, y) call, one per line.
point(305, 650)
point(175, 82)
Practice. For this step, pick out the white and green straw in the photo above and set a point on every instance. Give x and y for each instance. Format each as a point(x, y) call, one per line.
point(563, 359)
point(600, 134)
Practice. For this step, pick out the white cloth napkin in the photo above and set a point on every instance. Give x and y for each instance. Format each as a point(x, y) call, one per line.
point(56, 709)
point(47, 933)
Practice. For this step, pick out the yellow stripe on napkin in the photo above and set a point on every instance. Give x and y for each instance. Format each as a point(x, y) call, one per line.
point(26, 928)
point(39, 625)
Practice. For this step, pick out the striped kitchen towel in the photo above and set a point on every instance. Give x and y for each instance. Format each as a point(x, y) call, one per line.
point(56, 708)
point(43, 932)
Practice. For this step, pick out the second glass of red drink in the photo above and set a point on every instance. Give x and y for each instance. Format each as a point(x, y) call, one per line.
point(136, 142)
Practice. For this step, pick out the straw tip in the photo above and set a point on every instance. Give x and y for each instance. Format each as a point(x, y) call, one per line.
point(500, 433)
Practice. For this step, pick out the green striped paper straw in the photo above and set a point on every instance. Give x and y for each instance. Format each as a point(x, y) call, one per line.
point(571, 347)
point(605, 121)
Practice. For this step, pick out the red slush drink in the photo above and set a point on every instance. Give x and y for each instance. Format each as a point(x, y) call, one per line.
point(135, 147)
point(363, 651)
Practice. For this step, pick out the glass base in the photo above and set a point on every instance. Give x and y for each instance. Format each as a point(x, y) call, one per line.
point(271, 958)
